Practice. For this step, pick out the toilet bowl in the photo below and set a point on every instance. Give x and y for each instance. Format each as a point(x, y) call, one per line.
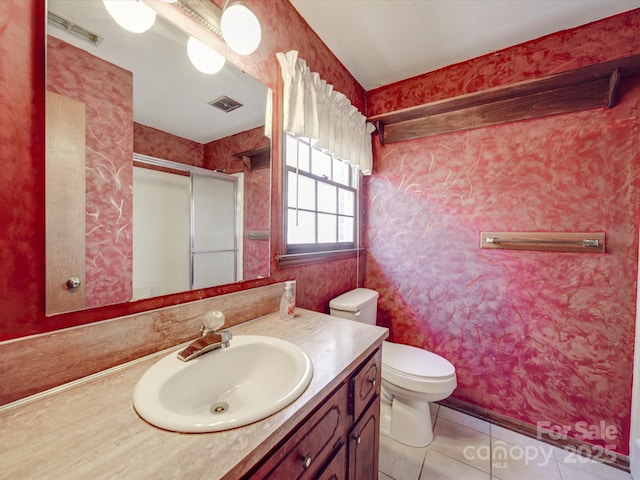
point(411, 377)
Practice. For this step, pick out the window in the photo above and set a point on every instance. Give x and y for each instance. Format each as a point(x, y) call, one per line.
point(321, 200)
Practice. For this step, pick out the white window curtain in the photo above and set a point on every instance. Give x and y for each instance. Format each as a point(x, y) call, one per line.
point(313, 109)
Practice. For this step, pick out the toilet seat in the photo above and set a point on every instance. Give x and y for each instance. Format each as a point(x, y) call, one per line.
point(416, 369)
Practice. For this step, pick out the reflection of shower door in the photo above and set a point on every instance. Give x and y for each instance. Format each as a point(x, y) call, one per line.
point(214, 243)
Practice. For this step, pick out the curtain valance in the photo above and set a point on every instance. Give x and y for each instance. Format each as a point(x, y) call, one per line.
point(313, 109)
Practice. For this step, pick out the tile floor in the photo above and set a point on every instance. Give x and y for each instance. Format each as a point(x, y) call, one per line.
point(467, 448)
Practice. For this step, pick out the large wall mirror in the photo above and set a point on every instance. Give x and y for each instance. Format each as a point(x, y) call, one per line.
point(158, 175)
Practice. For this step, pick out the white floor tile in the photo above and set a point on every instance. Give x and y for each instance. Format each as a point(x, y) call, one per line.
point(570, 473)
point(569, 463)
point(466, 448)
point(399, 461)
point(463, 419)
point(438, 466)
point(514, 438)
point(522, 462)
point(462, 443)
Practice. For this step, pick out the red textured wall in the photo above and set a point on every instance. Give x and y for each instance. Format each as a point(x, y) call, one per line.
point(536, 336)
point(22, 96)
point(156, 143)
point(22, 86)
point(107, 92)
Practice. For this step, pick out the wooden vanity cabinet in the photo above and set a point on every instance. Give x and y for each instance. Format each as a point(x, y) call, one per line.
point(339, 440)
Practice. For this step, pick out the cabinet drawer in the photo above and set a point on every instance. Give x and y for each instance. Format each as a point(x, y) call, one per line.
point(365, 384)
point(313, 445)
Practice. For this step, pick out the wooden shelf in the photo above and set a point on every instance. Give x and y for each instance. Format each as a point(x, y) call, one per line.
point(256, 158)
point(585, 88)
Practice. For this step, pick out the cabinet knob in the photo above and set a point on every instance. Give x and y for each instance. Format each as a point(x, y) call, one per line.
point(372, 381)
point(306, 461)
point(357, 438)
point(73, 282)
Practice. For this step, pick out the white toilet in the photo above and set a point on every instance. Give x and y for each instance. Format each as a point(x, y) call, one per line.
point(411, 377)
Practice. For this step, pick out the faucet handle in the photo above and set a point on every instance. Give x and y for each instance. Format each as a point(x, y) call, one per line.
point(212, 321)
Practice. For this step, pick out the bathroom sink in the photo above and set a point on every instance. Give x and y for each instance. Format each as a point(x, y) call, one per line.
point(251, 379)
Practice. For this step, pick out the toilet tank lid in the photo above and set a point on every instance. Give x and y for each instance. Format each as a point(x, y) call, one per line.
point(353, 300)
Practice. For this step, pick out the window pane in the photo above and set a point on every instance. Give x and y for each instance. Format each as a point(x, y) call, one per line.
point(327, 198)
point(306, 198)
point(346, 232)
point(291, 150)
point(346, 202)
point(303, 156)
point(327, 228)
point(303, 230)
point(355, 177)
point(341, 172)
point(321, 199)
point(321, 164)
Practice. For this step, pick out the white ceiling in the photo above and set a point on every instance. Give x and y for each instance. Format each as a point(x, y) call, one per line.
point(384, 41)
point(168, 92)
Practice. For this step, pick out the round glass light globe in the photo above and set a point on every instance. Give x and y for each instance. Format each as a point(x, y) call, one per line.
point(240, 29)
point(132, 15)
point(203, 57)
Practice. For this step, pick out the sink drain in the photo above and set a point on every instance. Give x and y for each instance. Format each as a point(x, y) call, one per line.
point(219, 407)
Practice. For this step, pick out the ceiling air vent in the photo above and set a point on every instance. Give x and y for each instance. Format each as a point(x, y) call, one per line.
point(73, 28)
point(225, 104)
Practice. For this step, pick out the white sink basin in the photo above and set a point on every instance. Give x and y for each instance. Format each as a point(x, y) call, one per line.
point(251, 379)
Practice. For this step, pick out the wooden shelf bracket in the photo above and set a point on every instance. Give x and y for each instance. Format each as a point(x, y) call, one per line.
point(256, 158)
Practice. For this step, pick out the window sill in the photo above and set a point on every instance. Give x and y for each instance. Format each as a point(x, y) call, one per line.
point(298, 259)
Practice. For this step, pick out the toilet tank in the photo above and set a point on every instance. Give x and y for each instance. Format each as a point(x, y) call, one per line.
point(360, 304)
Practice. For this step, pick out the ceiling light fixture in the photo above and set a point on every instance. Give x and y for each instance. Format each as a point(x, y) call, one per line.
point(240, 29)
point(132, 15)
point(203, 57)
point(236, 25)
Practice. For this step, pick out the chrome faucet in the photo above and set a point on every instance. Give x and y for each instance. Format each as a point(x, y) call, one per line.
point(210, 338)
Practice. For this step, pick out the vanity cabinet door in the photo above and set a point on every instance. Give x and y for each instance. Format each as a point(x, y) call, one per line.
point(365, 384)
point(337, 468)
point(312, 446)
point(364, 441)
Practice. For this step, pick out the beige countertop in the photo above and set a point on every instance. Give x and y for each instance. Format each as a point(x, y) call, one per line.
point(89, 429)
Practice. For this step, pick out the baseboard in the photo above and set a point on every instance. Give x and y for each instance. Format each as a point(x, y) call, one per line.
point(585, 449)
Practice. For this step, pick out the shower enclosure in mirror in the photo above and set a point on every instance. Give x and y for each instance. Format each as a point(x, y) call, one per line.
point(112, 94)
point(187, 227)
